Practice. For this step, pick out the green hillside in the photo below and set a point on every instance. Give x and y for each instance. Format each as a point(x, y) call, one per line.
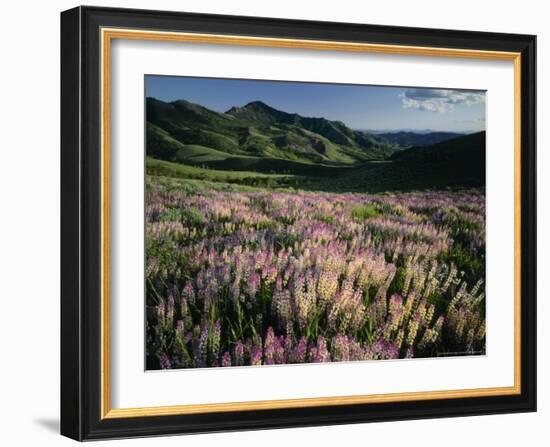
point(459, 162)
point(257, 145)
point(184, 132)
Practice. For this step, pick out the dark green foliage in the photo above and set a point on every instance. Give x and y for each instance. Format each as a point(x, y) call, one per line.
point(455, 163)
point(276, 166)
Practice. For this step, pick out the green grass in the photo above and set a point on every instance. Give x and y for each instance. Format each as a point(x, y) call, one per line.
point(192, 185)
point(195, 153)
point(167, 169)
point(365, 212)
point(276, 166)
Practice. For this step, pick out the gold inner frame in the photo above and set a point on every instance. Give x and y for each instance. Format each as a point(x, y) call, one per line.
point(107, 35)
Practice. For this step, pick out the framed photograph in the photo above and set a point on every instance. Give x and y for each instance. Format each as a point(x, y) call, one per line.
point(275, 223)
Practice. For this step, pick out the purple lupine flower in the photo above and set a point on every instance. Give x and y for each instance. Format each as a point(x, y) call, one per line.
point(273, 348)
point(382, 350)
point(340, 348)
point(256, 355)
point(336, 257)
point(319, 353)
point(201, 353)
point(165, 362)
point(253, 284)
point(356, 352)
point(239, 353)
point(226, 359)
point(188, 293)
point(298, 354)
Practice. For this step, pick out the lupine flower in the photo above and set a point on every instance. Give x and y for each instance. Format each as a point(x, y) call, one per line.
point(340, 348)
point(170, 309)
point(298, 354)
point(239, 353)
point(215, 348)
point(253, 283)
point(161, 312)
point(165, 362)
point(301, 280)
point(226, 359)
point(273, 349)
point(319, 353)
point(202, 348)
point(256, 355)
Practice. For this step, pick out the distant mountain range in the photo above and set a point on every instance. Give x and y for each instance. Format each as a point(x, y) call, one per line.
point(259, 138)
point(410, 139)
point(412, 130)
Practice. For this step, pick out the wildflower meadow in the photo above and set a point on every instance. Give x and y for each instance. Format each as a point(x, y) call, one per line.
point(239, 276)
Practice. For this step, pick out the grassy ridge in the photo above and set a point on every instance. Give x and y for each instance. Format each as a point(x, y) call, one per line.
point(455, 163)
point(257, 130)
point(257, 145)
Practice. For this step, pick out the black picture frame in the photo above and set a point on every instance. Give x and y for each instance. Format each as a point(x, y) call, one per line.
point(81, 223)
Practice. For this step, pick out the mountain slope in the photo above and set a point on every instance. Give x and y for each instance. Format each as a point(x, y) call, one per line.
point(335, 131)
point(255, 130)
point(459, 162)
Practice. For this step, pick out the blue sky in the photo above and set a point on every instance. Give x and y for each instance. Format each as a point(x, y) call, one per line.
point(359, 106)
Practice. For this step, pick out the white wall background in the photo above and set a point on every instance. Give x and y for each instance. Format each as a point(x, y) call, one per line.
point(29, 227)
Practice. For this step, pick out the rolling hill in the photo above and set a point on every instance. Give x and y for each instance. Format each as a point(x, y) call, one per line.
point(259, 145)
point(455, 163)
point(181, 131)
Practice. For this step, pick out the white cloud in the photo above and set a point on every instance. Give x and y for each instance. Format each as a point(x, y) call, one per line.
point(440, 101)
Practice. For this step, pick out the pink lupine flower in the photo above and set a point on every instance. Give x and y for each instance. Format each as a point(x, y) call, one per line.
point(319, 271)
point(256, 355)
point(319, 352)
point(253, 284)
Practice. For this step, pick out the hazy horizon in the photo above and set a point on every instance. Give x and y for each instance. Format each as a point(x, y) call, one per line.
point(366, 107)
